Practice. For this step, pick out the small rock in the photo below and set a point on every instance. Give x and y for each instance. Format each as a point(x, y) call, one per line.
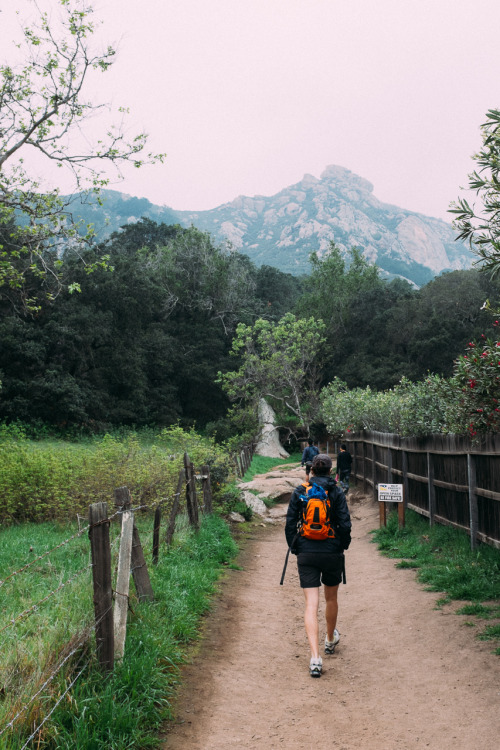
point(236, 517)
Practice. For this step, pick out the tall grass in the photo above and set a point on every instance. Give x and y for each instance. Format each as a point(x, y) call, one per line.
point(125, 709)
point(49, 479)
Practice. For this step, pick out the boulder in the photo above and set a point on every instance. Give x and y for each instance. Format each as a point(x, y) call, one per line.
point(269, 441)
point(255, 503)
point(277, 484)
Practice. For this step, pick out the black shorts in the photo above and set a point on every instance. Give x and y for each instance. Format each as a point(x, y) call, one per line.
point(320, 567)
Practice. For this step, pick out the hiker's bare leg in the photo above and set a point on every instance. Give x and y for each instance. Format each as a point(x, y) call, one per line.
point(331, 610)
point(311, 619)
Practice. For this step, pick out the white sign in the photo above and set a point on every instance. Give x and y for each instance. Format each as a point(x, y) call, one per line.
point(390, 493)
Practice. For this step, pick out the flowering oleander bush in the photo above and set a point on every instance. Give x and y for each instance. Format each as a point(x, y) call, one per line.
point(477, 375)
point(466, 403)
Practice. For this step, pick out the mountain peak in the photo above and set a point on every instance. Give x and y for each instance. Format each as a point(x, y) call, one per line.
point(338, 174)
point(283, 229)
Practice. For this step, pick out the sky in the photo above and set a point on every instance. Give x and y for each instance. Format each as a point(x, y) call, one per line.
point(247, 96)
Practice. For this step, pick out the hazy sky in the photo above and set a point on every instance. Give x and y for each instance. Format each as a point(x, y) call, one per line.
point(246, 96)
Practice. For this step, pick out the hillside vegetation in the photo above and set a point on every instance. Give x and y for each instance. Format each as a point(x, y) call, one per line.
point(144, 340)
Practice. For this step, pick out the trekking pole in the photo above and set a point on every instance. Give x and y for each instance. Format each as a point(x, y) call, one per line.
point(286, 559)
point(284, 566)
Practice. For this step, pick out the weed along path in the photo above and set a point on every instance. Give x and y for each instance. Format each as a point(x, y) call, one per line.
point(405, 675)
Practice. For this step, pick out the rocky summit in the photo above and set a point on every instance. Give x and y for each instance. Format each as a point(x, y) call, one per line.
point(283, 229)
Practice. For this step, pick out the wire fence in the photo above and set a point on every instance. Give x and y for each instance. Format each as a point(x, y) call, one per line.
point(105, 551)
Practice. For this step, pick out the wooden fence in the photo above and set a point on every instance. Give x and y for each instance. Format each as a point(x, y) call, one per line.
point(111, 618)
point(449, 479)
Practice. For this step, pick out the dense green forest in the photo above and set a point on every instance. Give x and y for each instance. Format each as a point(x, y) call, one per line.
point(143, 341)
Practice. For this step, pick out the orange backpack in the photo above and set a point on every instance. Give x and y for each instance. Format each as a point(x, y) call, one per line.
point(316, 513)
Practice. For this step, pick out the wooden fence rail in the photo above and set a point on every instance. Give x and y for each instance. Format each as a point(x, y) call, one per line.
point(449, 479)
point(111, 617)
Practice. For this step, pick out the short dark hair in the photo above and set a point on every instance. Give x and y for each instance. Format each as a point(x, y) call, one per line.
point(344, 447)
point(310, 441)
point(321, 464)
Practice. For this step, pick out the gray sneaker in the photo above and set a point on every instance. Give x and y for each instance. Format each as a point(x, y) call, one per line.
point(315, 667)
point(330, 645)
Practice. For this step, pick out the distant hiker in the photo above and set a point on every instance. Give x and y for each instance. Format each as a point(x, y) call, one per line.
point(344, 463)
point(318, 530)
point(307, 456)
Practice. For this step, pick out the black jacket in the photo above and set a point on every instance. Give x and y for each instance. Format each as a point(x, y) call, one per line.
point(344, 462)
point(341, 520)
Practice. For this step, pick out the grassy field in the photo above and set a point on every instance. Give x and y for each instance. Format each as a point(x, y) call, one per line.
point(446, 564)
point(126, 709)
point(54, 479)
point(46, 587)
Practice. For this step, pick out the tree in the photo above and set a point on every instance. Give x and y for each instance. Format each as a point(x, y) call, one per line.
point(42, 110)
point(481, 226)
point(337, 291)
point(141, 345)
point(281, 362)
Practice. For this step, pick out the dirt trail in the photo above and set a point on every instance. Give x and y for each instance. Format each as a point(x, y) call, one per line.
point(405, 676)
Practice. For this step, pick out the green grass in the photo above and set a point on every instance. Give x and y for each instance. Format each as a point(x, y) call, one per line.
point(50, 479)
point(446, 563)
point(443, 557)
point(262, 464)
point(126, 709)
point(480, 611)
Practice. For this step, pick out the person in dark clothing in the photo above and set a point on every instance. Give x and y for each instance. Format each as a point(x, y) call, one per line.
point(307, 456)
point(320, 561)
point(344, 463)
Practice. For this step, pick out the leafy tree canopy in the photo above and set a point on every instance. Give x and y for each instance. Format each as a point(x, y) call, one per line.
point(280, 362)
point(480, 225)
point(43, 109)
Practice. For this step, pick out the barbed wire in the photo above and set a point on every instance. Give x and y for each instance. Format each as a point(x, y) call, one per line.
point(54, 706)
point(34, 607)
point(85, 636)
point(77, 534)
point(44, 554)
point(47, 681)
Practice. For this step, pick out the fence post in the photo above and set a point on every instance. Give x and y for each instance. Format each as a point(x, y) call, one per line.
point(374, 474)
point(156, 535)
point(191, 501)
point(473, 512)
point(207, 488)
point(406, 484)
point(364, 465)
point(175, 508)
point(354, 460)
point(139, 568)
point(431, 488)
point(123, 583)
point(101, 572)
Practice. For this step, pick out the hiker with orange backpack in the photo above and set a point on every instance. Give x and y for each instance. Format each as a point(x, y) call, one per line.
point(318, 530)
